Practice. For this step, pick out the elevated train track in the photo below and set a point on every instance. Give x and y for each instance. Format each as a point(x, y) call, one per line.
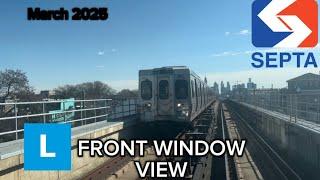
point(218, 121)
point(203, 128)
point(268, 160)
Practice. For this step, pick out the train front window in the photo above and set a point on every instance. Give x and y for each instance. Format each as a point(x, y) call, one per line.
point(181, 89)
point(146, 90)
point(163, 89)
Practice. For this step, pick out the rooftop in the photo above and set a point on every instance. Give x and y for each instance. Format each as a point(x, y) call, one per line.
point(306, 76)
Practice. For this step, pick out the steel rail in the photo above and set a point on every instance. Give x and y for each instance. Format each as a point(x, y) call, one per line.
point(226, 162)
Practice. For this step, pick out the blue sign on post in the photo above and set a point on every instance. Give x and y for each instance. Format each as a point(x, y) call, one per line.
point(47, 146)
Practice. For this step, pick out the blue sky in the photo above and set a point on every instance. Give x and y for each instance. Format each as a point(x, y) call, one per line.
point(211, 37)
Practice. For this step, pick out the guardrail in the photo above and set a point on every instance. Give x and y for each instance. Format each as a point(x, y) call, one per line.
point(77, 112)
point(297, 106)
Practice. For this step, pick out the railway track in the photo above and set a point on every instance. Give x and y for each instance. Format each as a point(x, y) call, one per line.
point(202, 129)
point(270, 163)
point(224, 167)
point(230, 169)
point(108, 169)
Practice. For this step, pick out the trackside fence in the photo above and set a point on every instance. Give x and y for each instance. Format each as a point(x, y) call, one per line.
point(13, 115)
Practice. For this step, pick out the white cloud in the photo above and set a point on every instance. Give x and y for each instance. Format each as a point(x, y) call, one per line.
point(242, 32)
point(263, 77)
point(232, 53)
point(101, 53)
point(123, 84)
point(113, 50)
point(226, 53)
point(100, 67)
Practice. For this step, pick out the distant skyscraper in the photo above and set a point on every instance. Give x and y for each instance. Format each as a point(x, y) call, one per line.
point(216, 88)
point(251, 85)
point(222, 88)
point(228, 88)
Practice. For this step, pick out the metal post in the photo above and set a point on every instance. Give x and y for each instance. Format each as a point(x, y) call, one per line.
point(318, 106)
point(85, 112)
point(16, 114)
point(43, 112)
point(296, 109)
point(106, 109)
point(129, 107)
point(291, 105)
point(64, 112)
point(135, 106)
point(81, 112)
point(95, 111)
point(122, 105)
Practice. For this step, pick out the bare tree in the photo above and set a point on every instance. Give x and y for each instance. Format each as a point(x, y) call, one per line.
point(88, 90)
point(126, 93)
point(13, 83)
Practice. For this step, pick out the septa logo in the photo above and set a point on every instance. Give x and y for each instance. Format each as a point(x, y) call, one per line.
point(47, 146)
point(285, 23)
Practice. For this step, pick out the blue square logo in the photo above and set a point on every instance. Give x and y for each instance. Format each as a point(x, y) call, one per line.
point(47, 146)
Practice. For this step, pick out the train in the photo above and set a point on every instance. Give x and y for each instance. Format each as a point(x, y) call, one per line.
point(172, 94)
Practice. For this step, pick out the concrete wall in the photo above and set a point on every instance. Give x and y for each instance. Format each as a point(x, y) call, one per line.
point(12, 167)
point(297, 145)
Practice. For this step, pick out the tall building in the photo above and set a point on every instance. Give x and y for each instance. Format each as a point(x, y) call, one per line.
point(216, 88)
point(222, 88)
point(251, 85)
point(228, 90)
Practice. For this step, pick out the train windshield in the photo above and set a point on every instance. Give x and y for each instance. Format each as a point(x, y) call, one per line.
point(181, 89)
point(146, 89)
point(163, 89)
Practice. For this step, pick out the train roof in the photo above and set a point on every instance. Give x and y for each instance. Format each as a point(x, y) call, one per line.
point(172, 68)
point(168, 67)
point(164, 69)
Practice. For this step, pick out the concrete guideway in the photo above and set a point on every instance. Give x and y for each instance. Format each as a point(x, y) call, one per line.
point(291, 145)
point(245, 167)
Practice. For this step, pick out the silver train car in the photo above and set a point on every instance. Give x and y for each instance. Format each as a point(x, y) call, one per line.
point(172, 94)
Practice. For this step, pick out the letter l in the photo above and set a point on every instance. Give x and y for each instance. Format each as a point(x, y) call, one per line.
point(43, 147)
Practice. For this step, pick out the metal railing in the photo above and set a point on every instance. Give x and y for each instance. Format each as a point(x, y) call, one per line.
point(13, 115)
point(296, 106)
point(123, 107)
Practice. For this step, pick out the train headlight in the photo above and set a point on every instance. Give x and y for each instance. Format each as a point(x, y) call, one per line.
point(179, 105)
point(147, 107)
point(185, 113)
